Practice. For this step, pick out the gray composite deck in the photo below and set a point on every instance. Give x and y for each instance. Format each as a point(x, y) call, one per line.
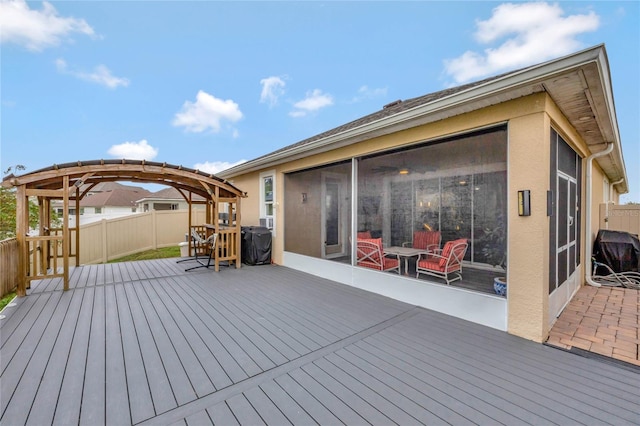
point(147, 343)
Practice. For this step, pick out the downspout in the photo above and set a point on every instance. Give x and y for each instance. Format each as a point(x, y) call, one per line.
point(587, 239)
point(609, 201)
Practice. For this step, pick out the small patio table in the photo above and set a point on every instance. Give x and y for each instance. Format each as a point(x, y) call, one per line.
point(405, 253)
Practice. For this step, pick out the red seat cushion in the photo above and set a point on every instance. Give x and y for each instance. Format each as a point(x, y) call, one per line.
point(431, 264)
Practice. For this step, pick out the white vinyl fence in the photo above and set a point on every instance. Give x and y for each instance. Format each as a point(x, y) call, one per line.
point(113, 238)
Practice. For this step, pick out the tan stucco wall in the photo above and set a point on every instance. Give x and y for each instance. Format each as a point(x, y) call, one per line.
point(528, 245)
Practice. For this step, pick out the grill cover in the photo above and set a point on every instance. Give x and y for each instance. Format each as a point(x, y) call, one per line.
point(618, 250)
point(256, 245)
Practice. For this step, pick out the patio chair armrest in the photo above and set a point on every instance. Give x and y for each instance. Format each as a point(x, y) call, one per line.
point(407, 244)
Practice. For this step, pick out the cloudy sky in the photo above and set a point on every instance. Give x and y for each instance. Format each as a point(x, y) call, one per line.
point(210, 84)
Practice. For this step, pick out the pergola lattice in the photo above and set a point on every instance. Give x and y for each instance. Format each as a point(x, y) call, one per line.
point(72, 181)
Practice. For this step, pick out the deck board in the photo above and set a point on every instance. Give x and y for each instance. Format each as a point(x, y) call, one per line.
point(148, 343)
point(117, 397)
point(159, 383)
point(46, 396)
point(70, 396)
point(38, 361)
point(93, 392)
point(266, 409)
point(585, 396)
point(140, 401)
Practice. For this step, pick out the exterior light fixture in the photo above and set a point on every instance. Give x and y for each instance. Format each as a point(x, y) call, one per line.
point(403, 171)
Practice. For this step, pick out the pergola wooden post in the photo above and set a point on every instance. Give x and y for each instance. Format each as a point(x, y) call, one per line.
point(39, 255)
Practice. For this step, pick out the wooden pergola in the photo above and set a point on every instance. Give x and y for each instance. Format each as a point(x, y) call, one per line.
point(39, 255)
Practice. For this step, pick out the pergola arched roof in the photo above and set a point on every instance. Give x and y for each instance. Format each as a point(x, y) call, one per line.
point(95, 171)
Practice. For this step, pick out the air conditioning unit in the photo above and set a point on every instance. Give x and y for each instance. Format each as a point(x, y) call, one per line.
point(267, 222)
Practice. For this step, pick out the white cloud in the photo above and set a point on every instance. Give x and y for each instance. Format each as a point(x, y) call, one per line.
point(134, 151)
point(100, 75)
point(272, 89)
point(365, 92)
point(206, 113)
point(312, 102)
point(216, 166)
point(529, 33)
point(37, 29)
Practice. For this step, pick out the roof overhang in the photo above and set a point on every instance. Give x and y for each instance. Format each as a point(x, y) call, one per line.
point(579, 84)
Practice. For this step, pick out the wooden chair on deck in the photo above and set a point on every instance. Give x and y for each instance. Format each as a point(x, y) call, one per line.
point(370, 255)
point(444, 262)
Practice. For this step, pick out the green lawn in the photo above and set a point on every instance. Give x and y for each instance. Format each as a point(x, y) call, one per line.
point(162, 253)
point(6, 299)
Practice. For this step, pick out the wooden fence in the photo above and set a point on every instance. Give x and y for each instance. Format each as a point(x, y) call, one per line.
point(8, 266)
point(620, 218)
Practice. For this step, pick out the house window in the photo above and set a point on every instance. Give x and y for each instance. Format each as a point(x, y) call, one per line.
point(98, 210)
point(174, 206)
point(267, 199)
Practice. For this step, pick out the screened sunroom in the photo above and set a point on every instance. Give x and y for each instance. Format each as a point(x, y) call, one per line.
point(454, 187)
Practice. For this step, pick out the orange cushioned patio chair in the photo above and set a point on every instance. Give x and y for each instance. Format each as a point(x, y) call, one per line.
point(445, 262)
point(425, 240)
point(371, 255)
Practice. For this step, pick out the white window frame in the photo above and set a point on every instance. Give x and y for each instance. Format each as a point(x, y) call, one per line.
point(264, 202)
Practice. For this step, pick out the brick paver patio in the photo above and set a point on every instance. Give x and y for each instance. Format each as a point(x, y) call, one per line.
point(603, 320)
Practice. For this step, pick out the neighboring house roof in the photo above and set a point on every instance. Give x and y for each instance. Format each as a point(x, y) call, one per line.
point(114, 198)
point(579, 84)
point(110, 186)
point(167, 194)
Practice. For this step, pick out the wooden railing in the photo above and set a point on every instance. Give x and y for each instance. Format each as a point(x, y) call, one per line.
point(45, 257)
point(8, 265)
point(227, 245)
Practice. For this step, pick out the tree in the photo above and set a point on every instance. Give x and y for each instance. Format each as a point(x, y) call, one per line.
point(8, 213)
point(8, 210)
